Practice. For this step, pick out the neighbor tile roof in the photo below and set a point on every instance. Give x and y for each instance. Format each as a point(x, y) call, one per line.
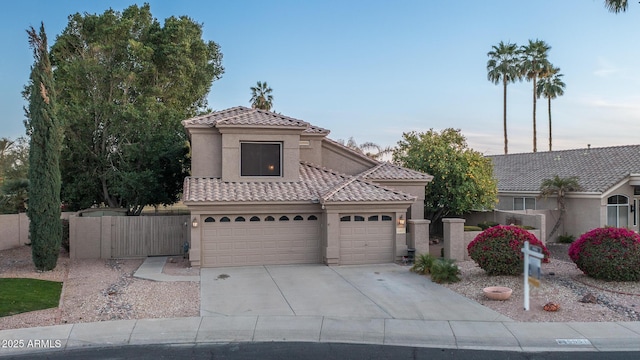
point(388, 171)
point(243, 116)
point(316, 184)
point(597, 169)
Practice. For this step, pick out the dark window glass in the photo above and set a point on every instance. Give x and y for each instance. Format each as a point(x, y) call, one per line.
point(358, 218)
point(239, 219)
point(260, 159)
point(298, 218)
point(618, 199)
point(225, 219)
point(386, 218)
point(254, 218)
point(209, 219)
point(312, 217)
point(283, 218)
point(345, 218)
point(373, 218)
point(269, 218)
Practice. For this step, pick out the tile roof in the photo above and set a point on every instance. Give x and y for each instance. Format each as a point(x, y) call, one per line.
point(597, 169)
point(389, 171)
point(316, 184)
point(243, 116)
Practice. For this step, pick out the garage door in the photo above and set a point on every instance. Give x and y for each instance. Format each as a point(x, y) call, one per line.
point(241, 240)
point(366, 239)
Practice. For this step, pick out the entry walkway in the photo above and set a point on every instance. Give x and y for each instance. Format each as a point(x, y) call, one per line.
point(151, 269)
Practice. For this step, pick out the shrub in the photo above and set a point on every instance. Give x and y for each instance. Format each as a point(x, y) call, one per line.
point(423, 263)
point(526, 227)
point(497, 250)
point(611, 254)
point(566, 239)
point(445, 271)
point(487, 224)
point(472, 228)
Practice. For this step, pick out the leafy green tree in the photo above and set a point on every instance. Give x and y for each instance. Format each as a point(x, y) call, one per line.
point(533, 63)
point(616, 6)
point(462, 178)
point(550, 86)
point(45, 227)
point(559, 187)
point(125, 82)
point(261, 97)
point(502, 67)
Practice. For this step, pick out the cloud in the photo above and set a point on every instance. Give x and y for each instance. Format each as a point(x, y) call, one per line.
point(606, 68)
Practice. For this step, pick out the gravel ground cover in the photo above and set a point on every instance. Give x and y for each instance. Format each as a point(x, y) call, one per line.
point(102, 290)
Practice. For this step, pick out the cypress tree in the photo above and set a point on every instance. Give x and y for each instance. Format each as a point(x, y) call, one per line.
point(45, 227)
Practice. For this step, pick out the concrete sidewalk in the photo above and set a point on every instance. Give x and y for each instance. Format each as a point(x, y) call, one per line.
point(506, 336)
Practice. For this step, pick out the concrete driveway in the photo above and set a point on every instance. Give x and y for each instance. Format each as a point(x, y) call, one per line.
point(367, 291)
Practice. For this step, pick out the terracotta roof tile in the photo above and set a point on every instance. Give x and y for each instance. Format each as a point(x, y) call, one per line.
point(597, 169)
point(389, 171)
point(243, 116)
point(316, 184)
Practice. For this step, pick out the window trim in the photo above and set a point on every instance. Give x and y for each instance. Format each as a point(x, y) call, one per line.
point(524, 202)
point(617, 205)
point(281, 159)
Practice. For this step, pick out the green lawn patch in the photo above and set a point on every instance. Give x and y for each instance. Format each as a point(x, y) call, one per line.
point(19, 295)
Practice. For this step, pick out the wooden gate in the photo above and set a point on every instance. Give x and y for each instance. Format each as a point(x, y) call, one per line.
point(136, 236)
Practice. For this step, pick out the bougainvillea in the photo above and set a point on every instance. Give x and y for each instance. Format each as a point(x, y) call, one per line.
point(609, 253)
point(498, 250)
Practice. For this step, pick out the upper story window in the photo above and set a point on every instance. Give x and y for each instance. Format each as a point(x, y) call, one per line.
point(524, 203)
point(260, 159)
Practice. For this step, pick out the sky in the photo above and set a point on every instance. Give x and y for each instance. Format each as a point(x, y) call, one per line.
point(374, 69)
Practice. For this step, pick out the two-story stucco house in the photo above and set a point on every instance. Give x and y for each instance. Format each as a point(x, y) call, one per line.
point(270, 189)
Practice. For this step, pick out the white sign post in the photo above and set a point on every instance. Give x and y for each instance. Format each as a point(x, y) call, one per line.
point(535, 261)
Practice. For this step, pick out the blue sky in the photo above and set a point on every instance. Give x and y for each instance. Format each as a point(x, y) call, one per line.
point(375, 69)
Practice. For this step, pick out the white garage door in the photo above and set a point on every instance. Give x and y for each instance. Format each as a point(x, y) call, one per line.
point(366, 239)
point(239, 240)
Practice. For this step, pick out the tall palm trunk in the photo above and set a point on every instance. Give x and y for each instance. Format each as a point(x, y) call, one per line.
point(535, 138)
point(549, 123)
point(504, 121)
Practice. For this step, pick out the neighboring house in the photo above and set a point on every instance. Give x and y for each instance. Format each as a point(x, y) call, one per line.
point(270, 189)
point(609, 176)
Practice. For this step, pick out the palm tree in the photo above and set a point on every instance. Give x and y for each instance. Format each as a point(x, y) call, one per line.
point(551, 86)
point(533, 62)
point(616, 6)
point(368, 149)
point(261, 97)
point(502, 67)
point(559, 187)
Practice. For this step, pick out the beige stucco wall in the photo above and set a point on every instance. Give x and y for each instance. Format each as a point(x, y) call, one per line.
point(14, 230)
point(417, 208)
point(206, 153)
point(231, 139)
point(336, 158)
point(311, 153)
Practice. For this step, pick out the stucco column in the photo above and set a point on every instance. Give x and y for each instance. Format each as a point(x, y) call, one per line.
point(453, 239)
point(195, 243)
point(401, 236)
point(331, 251)
point(419, 235)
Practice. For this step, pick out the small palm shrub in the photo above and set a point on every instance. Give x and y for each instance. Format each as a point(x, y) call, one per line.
point(444, 271)
point(611, 254)
point(423, 263)
point(498, 250)
point(487, 224)
point(566, 239)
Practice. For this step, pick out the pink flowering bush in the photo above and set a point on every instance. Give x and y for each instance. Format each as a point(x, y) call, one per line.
point(611, 254)
point(497, 250)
